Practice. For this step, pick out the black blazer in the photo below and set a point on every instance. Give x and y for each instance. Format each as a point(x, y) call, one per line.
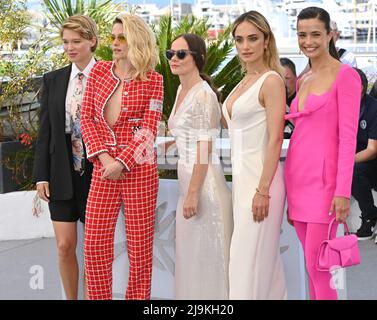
point(52, 161)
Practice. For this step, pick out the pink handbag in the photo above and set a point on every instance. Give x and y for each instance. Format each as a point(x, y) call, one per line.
point(338, 252)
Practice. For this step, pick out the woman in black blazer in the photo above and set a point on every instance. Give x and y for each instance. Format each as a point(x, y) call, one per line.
point(62, 173)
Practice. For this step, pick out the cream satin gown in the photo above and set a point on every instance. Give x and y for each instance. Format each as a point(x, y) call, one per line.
point(202, 242)
point(255, 267)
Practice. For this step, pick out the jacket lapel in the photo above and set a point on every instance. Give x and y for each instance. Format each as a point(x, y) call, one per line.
point(61, 91)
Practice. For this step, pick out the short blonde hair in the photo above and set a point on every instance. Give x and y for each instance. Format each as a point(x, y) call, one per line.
point(271, 56)
point(141, 41)
point(84, 26)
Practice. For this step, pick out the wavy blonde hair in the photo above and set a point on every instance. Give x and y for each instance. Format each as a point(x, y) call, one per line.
point(271, 56)
point(141, 42)
point(84, 26)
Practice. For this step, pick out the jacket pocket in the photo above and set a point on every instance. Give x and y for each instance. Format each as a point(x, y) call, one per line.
point(133, 114)
point(134, 119)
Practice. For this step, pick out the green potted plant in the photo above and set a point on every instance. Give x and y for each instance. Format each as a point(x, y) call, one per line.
point(20, 82)
point(13, 21)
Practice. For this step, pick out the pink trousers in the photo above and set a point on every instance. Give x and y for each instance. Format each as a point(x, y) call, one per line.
point(320, 283)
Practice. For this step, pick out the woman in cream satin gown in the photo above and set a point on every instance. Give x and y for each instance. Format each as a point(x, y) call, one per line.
point(202, 240)
point(255, 268)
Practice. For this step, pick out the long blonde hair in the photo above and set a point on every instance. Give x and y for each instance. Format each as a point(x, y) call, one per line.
point(141, 41)
point(271, 56)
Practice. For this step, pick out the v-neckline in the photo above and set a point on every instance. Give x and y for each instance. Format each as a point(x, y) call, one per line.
point(175, 111)
point(230, 115)
point(317, 95)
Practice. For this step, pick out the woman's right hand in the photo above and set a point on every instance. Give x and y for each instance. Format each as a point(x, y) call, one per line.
point(259, 208)
point(112, 171)
point(107, 160)
point(43, 191)
point(190, 205)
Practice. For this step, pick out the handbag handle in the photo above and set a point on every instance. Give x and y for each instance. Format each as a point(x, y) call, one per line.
point(331, 225)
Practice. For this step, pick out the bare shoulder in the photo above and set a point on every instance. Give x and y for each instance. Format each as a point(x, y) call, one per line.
point(274, 79)
point(273, 82)
point(273, 89)
point(336, 65)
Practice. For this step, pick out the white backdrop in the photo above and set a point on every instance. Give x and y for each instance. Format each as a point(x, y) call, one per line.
point(163, 252)
point(17, 222)
point(16, 218)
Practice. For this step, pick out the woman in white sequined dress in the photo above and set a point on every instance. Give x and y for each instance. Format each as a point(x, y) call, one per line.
point(204, 211)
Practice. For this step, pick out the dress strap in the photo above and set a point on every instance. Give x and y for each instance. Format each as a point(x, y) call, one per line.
point(263, 77)
point(259, 83)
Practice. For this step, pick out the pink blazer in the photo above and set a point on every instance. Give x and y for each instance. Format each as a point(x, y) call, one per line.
point(321, 151)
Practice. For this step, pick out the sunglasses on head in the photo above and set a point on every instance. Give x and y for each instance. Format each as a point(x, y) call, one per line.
point(121, 38)
point(181, 54)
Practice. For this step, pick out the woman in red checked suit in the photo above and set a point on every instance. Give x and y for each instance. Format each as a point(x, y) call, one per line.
point(121, 111)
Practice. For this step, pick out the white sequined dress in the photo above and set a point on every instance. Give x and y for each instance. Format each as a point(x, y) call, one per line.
point(202, 242)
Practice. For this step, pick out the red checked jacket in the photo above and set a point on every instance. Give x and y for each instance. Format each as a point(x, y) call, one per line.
point(135, 130)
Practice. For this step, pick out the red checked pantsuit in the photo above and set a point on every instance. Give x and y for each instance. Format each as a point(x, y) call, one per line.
point(129, 141)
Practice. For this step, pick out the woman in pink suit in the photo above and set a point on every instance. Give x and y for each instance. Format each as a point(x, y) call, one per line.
point(319, 165)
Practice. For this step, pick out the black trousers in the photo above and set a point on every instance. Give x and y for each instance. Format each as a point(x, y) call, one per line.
point(364, 180)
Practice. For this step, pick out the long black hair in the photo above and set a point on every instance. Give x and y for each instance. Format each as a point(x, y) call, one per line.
point(322, 15)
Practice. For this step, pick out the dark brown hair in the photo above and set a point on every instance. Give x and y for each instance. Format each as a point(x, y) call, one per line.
point(197, 45)
point(286, 62)
point(364, 81)
point(322, 15)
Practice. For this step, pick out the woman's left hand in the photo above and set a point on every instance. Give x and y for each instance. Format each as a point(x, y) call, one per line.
point(112, 171)
point(341, 207)
point(190, 205)
point(260, 207)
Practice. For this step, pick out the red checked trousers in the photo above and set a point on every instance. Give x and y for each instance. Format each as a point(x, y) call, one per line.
point(138, 191)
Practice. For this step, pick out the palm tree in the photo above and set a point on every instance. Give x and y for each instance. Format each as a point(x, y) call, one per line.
point(225, 73)
point(103, 12)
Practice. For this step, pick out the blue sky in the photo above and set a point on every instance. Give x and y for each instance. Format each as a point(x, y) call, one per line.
point(36, 4)
point(162, 3)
